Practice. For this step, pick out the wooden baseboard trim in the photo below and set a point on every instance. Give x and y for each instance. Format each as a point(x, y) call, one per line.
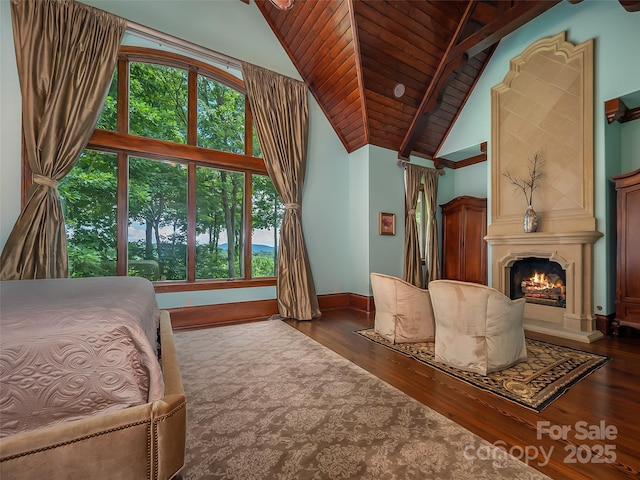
point(345, 300)
point(242, 312)
point(361, 302)
point(604, 323)
point(222, 313)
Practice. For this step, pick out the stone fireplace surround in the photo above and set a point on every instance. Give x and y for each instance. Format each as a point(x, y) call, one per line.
point(545, 105)
point(574, 252)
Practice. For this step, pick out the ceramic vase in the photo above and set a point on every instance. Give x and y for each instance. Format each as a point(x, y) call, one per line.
point(530, 220)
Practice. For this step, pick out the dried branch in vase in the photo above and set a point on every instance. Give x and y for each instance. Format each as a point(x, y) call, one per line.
point(528, 185)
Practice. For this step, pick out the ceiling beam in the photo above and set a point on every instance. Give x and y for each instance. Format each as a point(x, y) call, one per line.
point(441, 78)
point(481, 157)
point(616, 111)
point(630, 5)
point(457, 54)
point(430, 102)
point(509, 20)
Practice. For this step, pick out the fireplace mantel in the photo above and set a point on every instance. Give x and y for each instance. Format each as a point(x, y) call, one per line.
point(535, 238)
point(574, 252)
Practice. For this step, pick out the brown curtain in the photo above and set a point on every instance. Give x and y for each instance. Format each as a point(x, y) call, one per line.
point(431, 241)
point(279, 106)
point(412, 261)
point(66, 54)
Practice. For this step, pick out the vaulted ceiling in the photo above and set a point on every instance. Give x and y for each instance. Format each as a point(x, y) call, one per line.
point(356, 56)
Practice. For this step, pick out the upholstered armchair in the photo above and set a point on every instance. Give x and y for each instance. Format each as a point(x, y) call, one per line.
point(478, 329)
point(403, 311)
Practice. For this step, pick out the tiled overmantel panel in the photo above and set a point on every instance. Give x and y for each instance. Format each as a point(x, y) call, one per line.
point(545, 105)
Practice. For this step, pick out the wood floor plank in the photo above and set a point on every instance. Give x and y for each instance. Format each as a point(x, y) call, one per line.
point(611, 395)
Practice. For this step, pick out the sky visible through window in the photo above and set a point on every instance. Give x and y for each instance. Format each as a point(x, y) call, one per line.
point(261, 237)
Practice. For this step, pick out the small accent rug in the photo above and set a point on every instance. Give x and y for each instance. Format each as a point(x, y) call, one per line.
point(548, 372)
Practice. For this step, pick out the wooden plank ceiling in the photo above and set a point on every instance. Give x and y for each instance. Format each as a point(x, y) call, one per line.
point(353, 53)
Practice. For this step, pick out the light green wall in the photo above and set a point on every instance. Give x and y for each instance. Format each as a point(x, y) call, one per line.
point(616, 73)
point(10, 129)
point(630, 140)
point(612, 157)
point(325, 214)
point(471, 180)
point(377, 185)
point(238, 31)
point(386, 186)
point(359, 219)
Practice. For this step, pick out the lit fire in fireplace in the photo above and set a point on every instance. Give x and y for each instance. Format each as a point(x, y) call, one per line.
point(544, 289)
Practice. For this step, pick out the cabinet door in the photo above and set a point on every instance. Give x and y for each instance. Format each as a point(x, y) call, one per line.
point(474, 248)
point(452, 238)
point(629, 256)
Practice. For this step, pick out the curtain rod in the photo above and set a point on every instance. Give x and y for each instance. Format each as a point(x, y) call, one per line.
point(404, 163)
point(180, 44)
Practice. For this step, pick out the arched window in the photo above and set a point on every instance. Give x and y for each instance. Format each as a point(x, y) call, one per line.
point(171, 186)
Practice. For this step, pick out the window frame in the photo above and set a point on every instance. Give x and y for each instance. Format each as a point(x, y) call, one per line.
point(422, 229)
point(124, 144)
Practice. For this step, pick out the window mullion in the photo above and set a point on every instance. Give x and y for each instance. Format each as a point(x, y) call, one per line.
point(161, 149)
point(122, 233)
point(192, 139)
point(248, 128)
point(246, 224)
point(191, 222)
point(192, 108)
point(122, 208)
point(123, 95)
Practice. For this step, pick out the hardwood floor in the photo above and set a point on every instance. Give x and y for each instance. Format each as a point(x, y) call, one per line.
point(605, 404)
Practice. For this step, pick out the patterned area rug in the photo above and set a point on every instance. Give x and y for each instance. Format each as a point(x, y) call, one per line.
point(548, 372)
point(264, 401)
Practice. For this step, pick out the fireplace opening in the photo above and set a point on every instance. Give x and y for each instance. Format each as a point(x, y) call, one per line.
point(540, 281)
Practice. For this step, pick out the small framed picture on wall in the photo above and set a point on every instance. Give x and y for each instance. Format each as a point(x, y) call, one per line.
point(387, 224)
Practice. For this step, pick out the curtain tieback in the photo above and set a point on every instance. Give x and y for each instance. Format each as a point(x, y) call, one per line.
point(46, 181)
point(293, 206)
point(412, 211)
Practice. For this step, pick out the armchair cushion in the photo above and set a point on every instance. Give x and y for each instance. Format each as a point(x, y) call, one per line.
point(478, 329)
point(403, 311)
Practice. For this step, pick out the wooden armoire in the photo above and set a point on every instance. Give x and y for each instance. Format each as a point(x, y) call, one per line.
point(628, 254)
point(464, 249)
